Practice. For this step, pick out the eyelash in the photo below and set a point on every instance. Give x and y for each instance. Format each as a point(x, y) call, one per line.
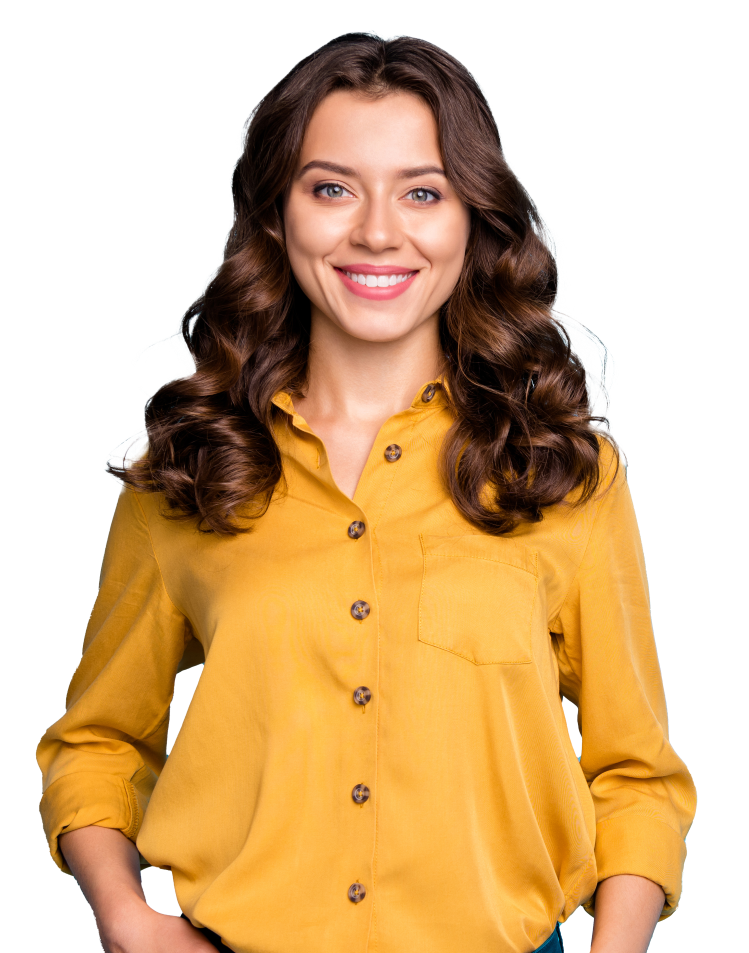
point(318, 190)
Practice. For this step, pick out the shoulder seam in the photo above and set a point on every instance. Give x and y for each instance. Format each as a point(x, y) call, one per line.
point(155, 557)
point(563, 603)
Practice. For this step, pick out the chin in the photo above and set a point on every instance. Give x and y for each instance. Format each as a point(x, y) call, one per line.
point(376, 327)
point(381, 330)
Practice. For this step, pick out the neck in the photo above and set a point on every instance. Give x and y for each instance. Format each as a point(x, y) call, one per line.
point(366, 381)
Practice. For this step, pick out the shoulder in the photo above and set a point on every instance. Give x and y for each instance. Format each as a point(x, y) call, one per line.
point(612, 465)
point(611, 474)
point(136, 508)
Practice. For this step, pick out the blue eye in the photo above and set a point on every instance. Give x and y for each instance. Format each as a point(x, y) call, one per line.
point(333, 190)
point(423, 196)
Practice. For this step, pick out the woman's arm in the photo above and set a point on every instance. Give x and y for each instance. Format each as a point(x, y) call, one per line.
point(101, 759)
point(107, 867)
point(626, 912)
point(642, 792)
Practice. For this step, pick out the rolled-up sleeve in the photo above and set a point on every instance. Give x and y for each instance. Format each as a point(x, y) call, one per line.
point(643, 794)
point(100, 761)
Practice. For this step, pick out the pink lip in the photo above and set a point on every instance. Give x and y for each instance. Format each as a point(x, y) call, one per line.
point(376, 294)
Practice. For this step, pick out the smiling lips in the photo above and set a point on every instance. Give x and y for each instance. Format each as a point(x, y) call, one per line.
point(376, 282)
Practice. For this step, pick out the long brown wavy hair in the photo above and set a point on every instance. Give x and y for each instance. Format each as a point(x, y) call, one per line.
point(523, 437)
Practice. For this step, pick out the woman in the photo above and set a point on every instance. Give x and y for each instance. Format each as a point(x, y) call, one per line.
point(380, 512)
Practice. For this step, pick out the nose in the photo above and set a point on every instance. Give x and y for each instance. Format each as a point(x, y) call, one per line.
point(376, 227)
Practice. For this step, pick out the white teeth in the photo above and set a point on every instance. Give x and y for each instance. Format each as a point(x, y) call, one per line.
point(378, 281)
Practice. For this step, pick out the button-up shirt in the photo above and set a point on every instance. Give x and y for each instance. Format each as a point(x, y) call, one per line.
point(376, 756)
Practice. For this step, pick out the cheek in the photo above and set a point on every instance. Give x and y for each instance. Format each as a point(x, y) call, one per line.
point(299, 240)
point(449, 254)
point(445, 246)
point(309, 236)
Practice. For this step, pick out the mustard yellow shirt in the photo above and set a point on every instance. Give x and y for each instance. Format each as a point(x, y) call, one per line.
point(376, 756)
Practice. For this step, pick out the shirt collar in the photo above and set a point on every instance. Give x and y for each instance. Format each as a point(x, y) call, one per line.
point(434, 393)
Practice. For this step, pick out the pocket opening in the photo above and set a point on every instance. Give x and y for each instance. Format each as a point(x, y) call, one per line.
point(477, 599)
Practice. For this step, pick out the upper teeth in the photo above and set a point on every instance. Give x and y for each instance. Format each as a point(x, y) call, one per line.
point(378, 281)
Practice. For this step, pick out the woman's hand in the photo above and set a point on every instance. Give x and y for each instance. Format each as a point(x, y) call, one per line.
point(133, 927)
point(107, 867)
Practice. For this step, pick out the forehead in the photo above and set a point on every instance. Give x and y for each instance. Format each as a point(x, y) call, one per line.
point(391, 131)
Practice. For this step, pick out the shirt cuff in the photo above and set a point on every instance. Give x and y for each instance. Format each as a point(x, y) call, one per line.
point(641, 845)
point(87, 799)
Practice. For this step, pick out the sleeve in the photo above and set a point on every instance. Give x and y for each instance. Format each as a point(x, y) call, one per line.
point(100, 761)
point(643, 794)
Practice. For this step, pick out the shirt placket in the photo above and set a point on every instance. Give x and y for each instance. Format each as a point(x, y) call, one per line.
point(359, 733)
point(389, 455)
point(357, 618)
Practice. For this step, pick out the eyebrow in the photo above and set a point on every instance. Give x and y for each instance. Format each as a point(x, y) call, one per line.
point(345, 170)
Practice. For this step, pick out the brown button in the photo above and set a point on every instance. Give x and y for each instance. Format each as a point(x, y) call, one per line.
point(429, 391)
point(360, 793)
point(362, 695)
point(357, 892)
point(356, 529)
point(360, 609)
point(393, 453)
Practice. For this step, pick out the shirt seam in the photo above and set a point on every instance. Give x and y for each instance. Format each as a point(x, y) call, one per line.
point(372, 932)
point(486, 559)
point(155, 557)
point(630, 813)
point(591, 862)
point(133, 827)
point(579, 565)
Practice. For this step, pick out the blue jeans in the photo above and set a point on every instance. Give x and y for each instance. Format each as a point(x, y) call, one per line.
point(552, 945)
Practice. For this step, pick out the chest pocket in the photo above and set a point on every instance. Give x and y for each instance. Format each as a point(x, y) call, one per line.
point(477, 598)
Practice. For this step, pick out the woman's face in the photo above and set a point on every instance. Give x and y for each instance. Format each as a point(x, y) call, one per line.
point(375, 233)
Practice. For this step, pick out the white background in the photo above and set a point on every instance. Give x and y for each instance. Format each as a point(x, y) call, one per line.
point(632, 145)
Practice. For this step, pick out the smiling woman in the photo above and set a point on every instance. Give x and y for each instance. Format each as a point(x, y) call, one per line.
point(393, 203)
point(383, 515)
point(523, 427)
point(412, 216)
